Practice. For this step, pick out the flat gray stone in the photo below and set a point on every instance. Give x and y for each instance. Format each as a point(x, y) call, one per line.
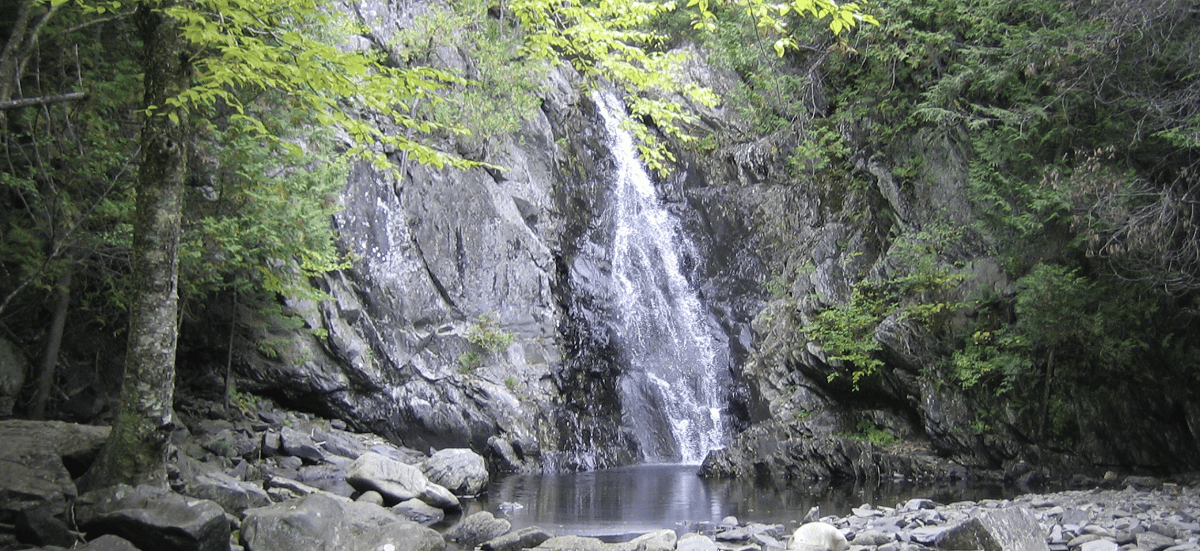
point(319, 522)
point(397, 481)
point(1099, 545)
point(1005, 529)
point(478, 528)
point(460, 470)
point(661, 540)
point(152, 518)
point(524, 538)
point(695, 542)
point(1153, 541)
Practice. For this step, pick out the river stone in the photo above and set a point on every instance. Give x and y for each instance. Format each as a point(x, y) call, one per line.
point(418, 511)
point(339, 442)
point(695, 542)
point(577, 543)
point(661, 540)
point(231, 494)
point(478, 528)
point(818, 536)
point(371, 497)
point(108, 542)
point(873, 538)
point(460, 470)
point(1082, 539)
point(154, 518)
point(299, 444)
point(1153, 541)
point(927, 535)
point(397, 481)
point(295, 488)
point(1006, 529)
point(33, 463)
point(524, 538)
point(319, 522)
point(1099, 545)
point(41, 526)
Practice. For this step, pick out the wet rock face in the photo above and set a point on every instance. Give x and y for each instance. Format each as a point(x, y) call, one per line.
point(36, 462)
point(435, 250)
point(154, 518)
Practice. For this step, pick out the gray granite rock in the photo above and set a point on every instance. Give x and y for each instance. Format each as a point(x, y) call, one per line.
point(397, 481)
point(524, 538)
point(154, 518)
point(460, 470)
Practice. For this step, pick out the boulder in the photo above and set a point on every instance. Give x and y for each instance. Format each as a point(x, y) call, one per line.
point(154, 518)
point(34, 463)
point(460, 470)
point(108, 542)
point(524, 538)
point(231, 443)
point(418, 511)
point(231, 494)
point(343, 444)
point(695, 542)
point(661, 540)
point(1006, 529)
point(300, 444)
point(818, 536)
point(578, 543)
point(371, 497)
point(1153, 541)
point(319, 522)
point(478, 528)
point(42, 526)
point(397, 481)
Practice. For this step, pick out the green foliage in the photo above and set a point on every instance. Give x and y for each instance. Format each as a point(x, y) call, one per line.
point(488, 337)
point(773, 18)
point(260, 226)
point(616, 41)
point(486, 334)
point(921, 292)
point(821, 148)
point(868, 431)
point(469, 361)
point(611, 41)
point(289, 47)
point(498, 89)
point(511, 382)
point(847, 332)
point(66, 175)
point(1070, 331)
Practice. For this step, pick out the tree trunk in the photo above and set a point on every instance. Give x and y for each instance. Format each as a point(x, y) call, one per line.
point(134, 452)
point(37, 410)
point(1045, 405)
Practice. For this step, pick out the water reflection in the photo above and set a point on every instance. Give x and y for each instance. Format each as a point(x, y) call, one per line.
point(648, 497)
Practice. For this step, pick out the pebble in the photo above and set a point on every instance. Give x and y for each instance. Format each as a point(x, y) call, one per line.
point(1162, 518)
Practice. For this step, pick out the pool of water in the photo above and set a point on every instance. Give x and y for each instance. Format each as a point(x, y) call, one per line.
point(648, 497)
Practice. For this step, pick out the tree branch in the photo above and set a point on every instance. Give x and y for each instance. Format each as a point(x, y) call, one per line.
point(43, 100)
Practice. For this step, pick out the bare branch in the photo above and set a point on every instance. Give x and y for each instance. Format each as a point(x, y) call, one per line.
point(43, 100)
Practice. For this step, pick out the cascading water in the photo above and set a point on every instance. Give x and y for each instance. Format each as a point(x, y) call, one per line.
point(673, 389)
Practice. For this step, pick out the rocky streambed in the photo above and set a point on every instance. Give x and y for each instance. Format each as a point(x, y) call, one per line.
point(271, 480)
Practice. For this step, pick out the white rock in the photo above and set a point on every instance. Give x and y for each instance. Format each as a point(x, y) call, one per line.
point(818, 536)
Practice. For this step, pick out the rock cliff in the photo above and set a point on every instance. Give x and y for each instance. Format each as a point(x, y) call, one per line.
point(440, 253)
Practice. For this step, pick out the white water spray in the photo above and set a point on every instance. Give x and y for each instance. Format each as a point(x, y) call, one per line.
point(673, 393)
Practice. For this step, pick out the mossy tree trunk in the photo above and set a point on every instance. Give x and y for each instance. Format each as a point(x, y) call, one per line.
point(134, 452)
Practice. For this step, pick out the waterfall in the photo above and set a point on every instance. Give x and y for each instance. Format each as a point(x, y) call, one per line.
point(673, 388)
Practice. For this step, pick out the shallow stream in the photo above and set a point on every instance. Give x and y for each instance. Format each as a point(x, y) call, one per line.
point(649, 497)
